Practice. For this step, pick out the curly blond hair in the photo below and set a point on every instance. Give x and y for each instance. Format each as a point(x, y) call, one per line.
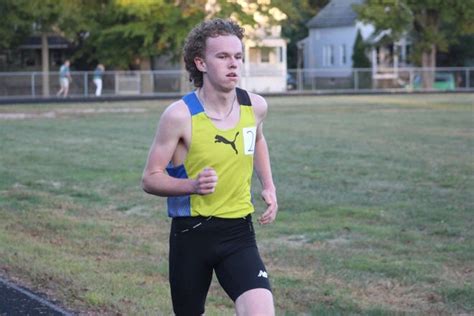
point(195, 43)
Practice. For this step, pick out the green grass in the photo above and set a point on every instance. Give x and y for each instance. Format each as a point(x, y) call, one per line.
point(375, 194)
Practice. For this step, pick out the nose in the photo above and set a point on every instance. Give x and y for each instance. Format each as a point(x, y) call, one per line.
point(233, 62)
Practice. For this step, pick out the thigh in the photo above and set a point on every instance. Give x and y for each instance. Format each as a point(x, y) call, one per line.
point(255, 302)
point(190, 274)
point(241, 271)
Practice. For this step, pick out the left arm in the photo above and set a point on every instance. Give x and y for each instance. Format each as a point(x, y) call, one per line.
point(262, 163)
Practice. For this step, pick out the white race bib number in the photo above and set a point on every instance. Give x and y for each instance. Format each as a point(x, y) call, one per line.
point(249, 135)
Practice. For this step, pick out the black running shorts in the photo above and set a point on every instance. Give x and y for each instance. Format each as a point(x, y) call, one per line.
point(199, 245)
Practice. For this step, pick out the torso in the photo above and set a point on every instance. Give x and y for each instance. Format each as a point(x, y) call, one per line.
point(230, 123)
point(228, 147)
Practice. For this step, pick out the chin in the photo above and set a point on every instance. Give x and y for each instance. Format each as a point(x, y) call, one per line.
point(229, 86)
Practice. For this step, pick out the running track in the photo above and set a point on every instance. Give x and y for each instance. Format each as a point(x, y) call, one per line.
point(16, 301)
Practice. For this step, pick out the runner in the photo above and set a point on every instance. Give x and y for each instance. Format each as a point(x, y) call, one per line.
point(202, 158)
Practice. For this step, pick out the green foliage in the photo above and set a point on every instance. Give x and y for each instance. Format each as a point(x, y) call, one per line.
point(44, 14)
point(121, 32)
point(359, 55)
point(14, 24)
point(433, 24)
point(294, 28)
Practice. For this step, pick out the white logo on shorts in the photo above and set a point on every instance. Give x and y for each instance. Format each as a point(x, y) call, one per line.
point(263, 274)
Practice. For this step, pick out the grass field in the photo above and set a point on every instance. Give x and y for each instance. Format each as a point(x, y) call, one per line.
point(375, 194)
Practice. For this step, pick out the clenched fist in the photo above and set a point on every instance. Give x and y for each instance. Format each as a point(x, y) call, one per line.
point(206, 181)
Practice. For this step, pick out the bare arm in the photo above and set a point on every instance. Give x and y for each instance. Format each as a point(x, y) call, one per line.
point(171, 131)
point(262, 163)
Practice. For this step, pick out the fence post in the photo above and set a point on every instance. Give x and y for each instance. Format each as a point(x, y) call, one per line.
point(86, 85)
point(116, 82)
point(33, 93)
point(300, 86)
point(468, 84)
point(356, 79)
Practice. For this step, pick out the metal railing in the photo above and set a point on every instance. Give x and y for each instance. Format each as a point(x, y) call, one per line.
point(175, 82)
point(393, 80)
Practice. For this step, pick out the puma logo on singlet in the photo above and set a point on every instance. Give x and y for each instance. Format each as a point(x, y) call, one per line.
point(222, 139)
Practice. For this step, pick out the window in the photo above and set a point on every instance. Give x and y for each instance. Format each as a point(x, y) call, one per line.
point(325, 56)
point(331, 55)
point(328, 55)
point(28, 58)
point(3, 59)
point(343, 54)
point(265, 54)
point(253, 55)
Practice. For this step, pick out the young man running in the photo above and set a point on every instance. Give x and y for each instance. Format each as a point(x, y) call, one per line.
point(202, 158)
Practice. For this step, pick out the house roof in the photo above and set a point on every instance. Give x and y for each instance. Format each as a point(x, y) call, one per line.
point(54, 41)
point(335, 13)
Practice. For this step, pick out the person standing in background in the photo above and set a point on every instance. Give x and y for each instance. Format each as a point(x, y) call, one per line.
point(98, 73)
point(64, 79)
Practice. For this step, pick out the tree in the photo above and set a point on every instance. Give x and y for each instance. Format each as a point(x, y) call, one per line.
point(14, 24)
point(294, 28)
point(122, 33)
point(359, 55)
point(425, 20)
point(44, 15)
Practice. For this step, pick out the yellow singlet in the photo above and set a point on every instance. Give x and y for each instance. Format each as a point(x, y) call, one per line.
point(229, 152)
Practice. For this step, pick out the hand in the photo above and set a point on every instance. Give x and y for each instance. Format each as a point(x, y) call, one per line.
point(206, 181)
point(269, 196)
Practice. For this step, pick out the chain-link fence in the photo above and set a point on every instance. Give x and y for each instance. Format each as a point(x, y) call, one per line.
point(171, 83)
point(114, 83)
point(396, 80)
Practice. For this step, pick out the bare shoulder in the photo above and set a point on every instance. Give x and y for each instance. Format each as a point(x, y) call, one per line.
point(177, 112)
point(175, 121)
point(260, 106)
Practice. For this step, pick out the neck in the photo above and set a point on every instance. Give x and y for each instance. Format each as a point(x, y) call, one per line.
point(217, 102)
point(218, 106)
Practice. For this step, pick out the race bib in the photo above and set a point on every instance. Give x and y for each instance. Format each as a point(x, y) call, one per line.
point(249, 135)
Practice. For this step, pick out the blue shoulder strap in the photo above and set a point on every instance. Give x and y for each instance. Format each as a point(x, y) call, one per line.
point(193, 103)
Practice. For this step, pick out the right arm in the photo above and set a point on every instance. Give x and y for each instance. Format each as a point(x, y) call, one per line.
point(172, 128)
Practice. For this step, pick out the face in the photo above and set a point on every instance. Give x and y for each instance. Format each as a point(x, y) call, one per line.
point(222, 62)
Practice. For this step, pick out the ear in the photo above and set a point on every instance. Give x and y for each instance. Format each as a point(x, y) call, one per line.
point(200, 64)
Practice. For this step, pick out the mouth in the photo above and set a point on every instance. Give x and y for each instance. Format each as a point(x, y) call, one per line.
point(232, 75)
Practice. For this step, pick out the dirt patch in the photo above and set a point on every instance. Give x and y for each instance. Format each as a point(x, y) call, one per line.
point(66, 112)
point(458, 275)
point(291, 241)
point(394, 296)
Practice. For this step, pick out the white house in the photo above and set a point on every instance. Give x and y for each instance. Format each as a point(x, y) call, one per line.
point(265, 66)
point(331, 38)
point(265, 61)
point(328, 49)
point(264, 49)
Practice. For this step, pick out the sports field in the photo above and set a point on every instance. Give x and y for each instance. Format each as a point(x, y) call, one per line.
point(375, 193)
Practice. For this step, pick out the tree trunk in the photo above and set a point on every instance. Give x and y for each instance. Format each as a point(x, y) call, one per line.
point(428, 63)
point(45, 63)
point(184, 84)
point(146, 78)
